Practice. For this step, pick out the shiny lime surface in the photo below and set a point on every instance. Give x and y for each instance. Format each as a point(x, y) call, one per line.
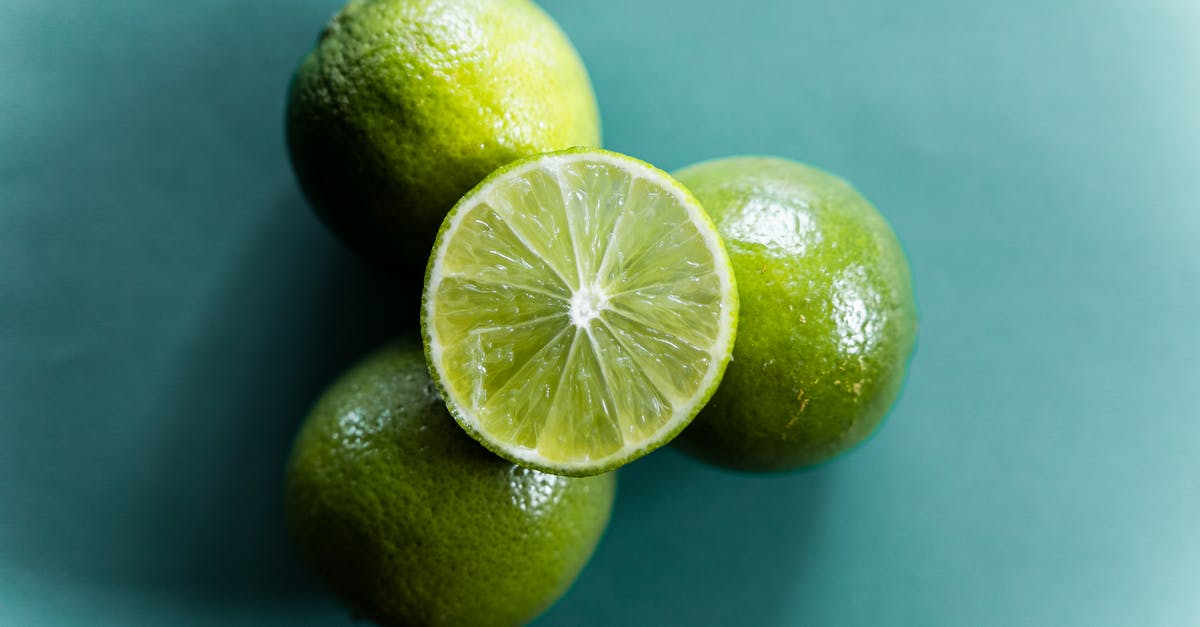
point(404, 105)
point(413, 523)
point(828, 318)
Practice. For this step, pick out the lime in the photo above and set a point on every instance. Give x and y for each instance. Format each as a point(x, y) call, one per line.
point(579, 309)
point(827, 321)
point(404, 105)
point(413, 523)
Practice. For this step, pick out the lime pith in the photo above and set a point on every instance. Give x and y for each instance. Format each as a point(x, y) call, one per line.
point(579, 309)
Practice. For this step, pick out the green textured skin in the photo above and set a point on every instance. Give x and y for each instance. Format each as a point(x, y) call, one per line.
point(828, 319)
point(404, 105)
point(414, 524)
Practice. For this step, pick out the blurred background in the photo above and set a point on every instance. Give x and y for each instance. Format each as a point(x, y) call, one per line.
point(169, 308)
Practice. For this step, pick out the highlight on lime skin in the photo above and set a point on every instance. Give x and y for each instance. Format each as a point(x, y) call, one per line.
point(579, 310)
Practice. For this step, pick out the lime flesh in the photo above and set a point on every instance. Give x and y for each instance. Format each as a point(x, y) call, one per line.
point(579, 310)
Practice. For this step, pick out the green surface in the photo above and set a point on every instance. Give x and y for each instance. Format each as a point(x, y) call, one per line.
point(168, 311)
point(404, 105)
point(579, 310)
point(413, 523)
point(828, 321)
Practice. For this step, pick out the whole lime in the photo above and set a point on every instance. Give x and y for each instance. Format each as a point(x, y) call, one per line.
point(828, 318)
point(413, 523)
point(404, 105)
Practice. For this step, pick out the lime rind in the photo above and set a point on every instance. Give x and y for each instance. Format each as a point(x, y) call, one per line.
point(579, 310)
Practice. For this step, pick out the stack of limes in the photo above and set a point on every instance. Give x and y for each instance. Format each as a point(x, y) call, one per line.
point(579, 310)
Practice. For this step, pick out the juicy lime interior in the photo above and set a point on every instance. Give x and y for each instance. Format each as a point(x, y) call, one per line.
point(579, 310)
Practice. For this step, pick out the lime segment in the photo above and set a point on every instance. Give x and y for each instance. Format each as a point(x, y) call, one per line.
point(579, 310)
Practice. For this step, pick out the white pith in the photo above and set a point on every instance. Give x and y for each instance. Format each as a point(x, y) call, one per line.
point(586, 304)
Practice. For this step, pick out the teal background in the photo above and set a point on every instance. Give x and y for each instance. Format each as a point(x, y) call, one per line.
point(169, 308)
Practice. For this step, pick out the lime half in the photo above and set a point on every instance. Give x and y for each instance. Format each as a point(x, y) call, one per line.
point(579, 310)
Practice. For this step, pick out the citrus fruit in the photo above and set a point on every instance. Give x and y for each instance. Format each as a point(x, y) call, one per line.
point(579, 309)
point(827, 323)
point(413, 523)
point(404, 105)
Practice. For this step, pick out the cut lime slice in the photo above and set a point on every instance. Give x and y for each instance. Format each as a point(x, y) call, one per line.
point(579, 310)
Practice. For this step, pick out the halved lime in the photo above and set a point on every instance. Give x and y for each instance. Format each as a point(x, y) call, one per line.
point(579, 310)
